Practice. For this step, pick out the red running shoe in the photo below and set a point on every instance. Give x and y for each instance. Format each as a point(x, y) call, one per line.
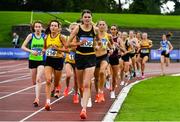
point(83, 114)
point(47, 106)
point(75, 98)
point(66, 91)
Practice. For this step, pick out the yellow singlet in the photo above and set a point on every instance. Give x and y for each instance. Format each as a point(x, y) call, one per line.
point(53, 41)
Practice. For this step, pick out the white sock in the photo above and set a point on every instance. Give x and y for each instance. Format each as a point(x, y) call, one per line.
point(48, 101)
point(38, 89)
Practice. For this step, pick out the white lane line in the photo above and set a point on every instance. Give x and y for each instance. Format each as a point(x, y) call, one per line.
point(9, 71)
point(116, 106)
point(19, 91)
point(36, 112)
point(15, 79)
point(13, 65)
point(16, 75)
point(63, 78)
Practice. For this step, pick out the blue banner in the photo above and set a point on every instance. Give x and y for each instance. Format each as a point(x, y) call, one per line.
point(13, 53)
point(155, 54)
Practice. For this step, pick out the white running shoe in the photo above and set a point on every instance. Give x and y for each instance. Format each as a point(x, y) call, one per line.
point(122, 83)
point(113, 95)
point(89, 104)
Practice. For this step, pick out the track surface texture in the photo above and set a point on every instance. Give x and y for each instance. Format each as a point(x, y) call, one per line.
point(17, 95)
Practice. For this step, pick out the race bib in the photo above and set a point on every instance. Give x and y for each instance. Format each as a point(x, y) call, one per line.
point(39, 50)
point(104, 43)
point(89, 42)
point(51, 52)
point(144, 50)
point(72, 55)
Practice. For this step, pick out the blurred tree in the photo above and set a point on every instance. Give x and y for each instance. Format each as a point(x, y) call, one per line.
point(145, 7)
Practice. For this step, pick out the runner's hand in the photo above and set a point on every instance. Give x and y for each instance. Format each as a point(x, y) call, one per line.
point(34, 52)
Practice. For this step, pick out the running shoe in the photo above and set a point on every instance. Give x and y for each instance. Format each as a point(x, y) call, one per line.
point(143, 76)
point(83, 114)
point(122, 83)
point(134, 74)
point(57, 92)
point(101, 97)
point(113, 95)
point(97, 98)
point(47, 106)
point(66, 91)
point(36, 102)
point(89, 104)
point(75, 98)
point(52, 93)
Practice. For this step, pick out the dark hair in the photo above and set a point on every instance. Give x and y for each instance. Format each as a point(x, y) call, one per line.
point(47, 31)
point(86, 11)
point(115, 26)
point(37, 21)
point(170, 34)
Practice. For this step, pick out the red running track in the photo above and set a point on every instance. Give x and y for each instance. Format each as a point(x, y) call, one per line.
point(17, 95)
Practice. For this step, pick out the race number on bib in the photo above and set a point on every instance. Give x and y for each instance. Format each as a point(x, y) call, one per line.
point(39, 50)
point(144, 50)
point(89, 42)
point(72, 55)
point(51, 52)
point(104, 43)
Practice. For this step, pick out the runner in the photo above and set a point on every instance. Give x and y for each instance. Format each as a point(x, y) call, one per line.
point(126, 49)
point(114, 60)
point(35, 40)
point(166, 48)
point(102, 59)
point(145, 46)
point(54, 45)
point(139, 38)
point(85, 57)
point(70, 67)
point(134, 43)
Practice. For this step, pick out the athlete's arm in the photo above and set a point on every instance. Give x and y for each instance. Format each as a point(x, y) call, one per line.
point(160, 48)
point(170, 46)
point(150, 44)
point(63, 40)
point(25, 43)
point(72, 36)
point(44, 48)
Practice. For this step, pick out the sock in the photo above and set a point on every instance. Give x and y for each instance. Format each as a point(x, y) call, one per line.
point(48, 101)
point(38, 89)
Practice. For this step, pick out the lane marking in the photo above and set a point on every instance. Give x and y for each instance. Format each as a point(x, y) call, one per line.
point(116, 106)
point(9, 71)
point(16, 75)
point(63, 78)
point(15, 79)
point(19, 91)
point(36, 112)
point(13, 65)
